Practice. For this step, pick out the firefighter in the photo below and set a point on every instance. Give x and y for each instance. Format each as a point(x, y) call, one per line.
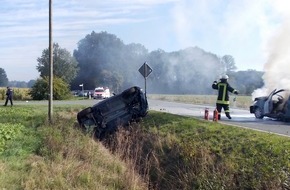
point(223, 102)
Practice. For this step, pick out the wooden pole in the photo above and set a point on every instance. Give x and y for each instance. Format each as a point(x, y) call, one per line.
point(50, 102)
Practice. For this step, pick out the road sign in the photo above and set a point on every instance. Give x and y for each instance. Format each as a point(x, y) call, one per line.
point(145, 70)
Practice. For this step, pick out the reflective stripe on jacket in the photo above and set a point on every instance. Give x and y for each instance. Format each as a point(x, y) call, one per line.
point(223, 88)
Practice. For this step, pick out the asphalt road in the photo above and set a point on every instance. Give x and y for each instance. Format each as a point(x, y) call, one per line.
point(240, 117)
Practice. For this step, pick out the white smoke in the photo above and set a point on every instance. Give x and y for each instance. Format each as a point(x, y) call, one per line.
point(277, 70)
point(256, 33)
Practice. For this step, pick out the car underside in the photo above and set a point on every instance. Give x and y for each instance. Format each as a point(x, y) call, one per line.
point(106, 116)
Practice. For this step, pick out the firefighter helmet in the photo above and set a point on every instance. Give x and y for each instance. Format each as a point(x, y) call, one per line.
point(225, 77)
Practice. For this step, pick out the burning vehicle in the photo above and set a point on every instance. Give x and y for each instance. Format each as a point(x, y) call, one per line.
point(276, 105)
point(106, 116)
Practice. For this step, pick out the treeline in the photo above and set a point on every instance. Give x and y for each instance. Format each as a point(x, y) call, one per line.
point(102, 59)
point(4, 82)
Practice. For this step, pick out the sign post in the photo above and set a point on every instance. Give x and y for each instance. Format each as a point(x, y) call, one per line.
point(82, 85)
point(145, 70)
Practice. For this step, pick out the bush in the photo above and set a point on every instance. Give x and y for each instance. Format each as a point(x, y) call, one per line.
point(18, 93)
point(2, 93)
point(40, 90)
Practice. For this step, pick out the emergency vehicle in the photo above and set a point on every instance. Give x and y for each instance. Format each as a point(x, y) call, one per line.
point(101, 93)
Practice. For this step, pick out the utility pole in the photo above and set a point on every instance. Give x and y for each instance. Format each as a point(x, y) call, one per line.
point(50, 101)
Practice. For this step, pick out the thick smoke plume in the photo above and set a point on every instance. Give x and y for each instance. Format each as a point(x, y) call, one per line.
point(277, 67)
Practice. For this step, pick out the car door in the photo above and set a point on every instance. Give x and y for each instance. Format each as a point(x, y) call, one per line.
point(268, 106)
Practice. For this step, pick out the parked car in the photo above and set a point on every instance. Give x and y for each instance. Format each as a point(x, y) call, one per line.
point(83, 93)
point(75, 93)
point(276, 105)
point(106, 116)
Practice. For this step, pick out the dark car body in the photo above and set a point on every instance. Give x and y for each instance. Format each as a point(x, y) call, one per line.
point(276, 105)
point(118, 110)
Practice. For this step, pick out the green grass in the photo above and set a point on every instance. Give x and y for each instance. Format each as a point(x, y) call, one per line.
point(240, 101)
point(214, 156)
point(164, 151)
point(37, 155)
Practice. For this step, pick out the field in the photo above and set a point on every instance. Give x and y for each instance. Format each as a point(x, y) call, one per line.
point(238, 101)
point(164, 151)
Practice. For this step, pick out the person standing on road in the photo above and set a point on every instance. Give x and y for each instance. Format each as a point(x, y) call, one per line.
point(9, 96)
point(223, 102)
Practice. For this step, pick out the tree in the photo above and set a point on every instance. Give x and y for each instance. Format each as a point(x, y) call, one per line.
point(247, 81)
point(112, 80)
point(185, 71)
point(229, 63)
point(39, 90)
point(3, 78)
point(18, 84)
point(104, 60)
point(31, 83)
point(64, 65)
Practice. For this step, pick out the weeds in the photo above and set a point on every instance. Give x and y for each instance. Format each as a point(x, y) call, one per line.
point(184, 153)
point(59, 156)
point(164, 151)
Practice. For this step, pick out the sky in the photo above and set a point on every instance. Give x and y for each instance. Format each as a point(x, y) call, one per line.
point(243, 29)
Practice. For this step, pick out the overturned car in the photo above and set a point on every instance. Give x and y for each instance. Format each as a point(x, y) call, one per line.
point(276, 105)
point(106, 116)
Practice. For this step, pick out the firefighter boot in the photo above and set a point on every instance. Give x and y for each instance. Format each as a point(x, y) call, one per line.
point(228, 115)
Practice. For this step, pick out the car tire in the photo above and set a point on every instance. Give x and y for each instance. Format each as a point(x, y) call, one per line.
point(126, 94)
point(258, 113)
point(83, 113)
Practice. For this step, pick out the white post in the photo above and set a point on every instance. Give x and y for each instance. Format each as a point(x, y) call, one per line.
point(82, 85)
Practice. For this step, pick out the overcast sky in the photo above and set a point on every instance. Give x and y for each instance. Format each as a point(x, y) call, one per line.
point(241, 28)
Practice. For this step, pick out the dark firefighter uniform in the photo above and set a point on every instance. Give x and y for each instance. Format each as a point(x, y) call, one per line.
point(223, 88)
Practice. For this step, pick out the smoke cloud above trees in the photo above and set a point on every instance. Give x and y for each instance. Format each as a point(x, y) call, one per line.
point(104, 60)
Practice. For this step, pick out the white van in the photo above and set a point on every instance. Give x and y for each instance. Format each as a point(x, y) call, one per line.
point(102, 93)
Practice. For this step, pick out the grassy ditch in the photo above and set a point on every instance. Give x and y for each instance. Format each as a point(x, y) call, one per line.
point(164, 151)
point(36, 155)
point(174, 152)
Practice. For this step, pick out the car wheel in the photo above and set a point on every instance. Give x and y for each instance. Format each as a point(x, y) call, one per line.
point(126, 94)
point(258, 113)
point(85, 112)
point(82, 114)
